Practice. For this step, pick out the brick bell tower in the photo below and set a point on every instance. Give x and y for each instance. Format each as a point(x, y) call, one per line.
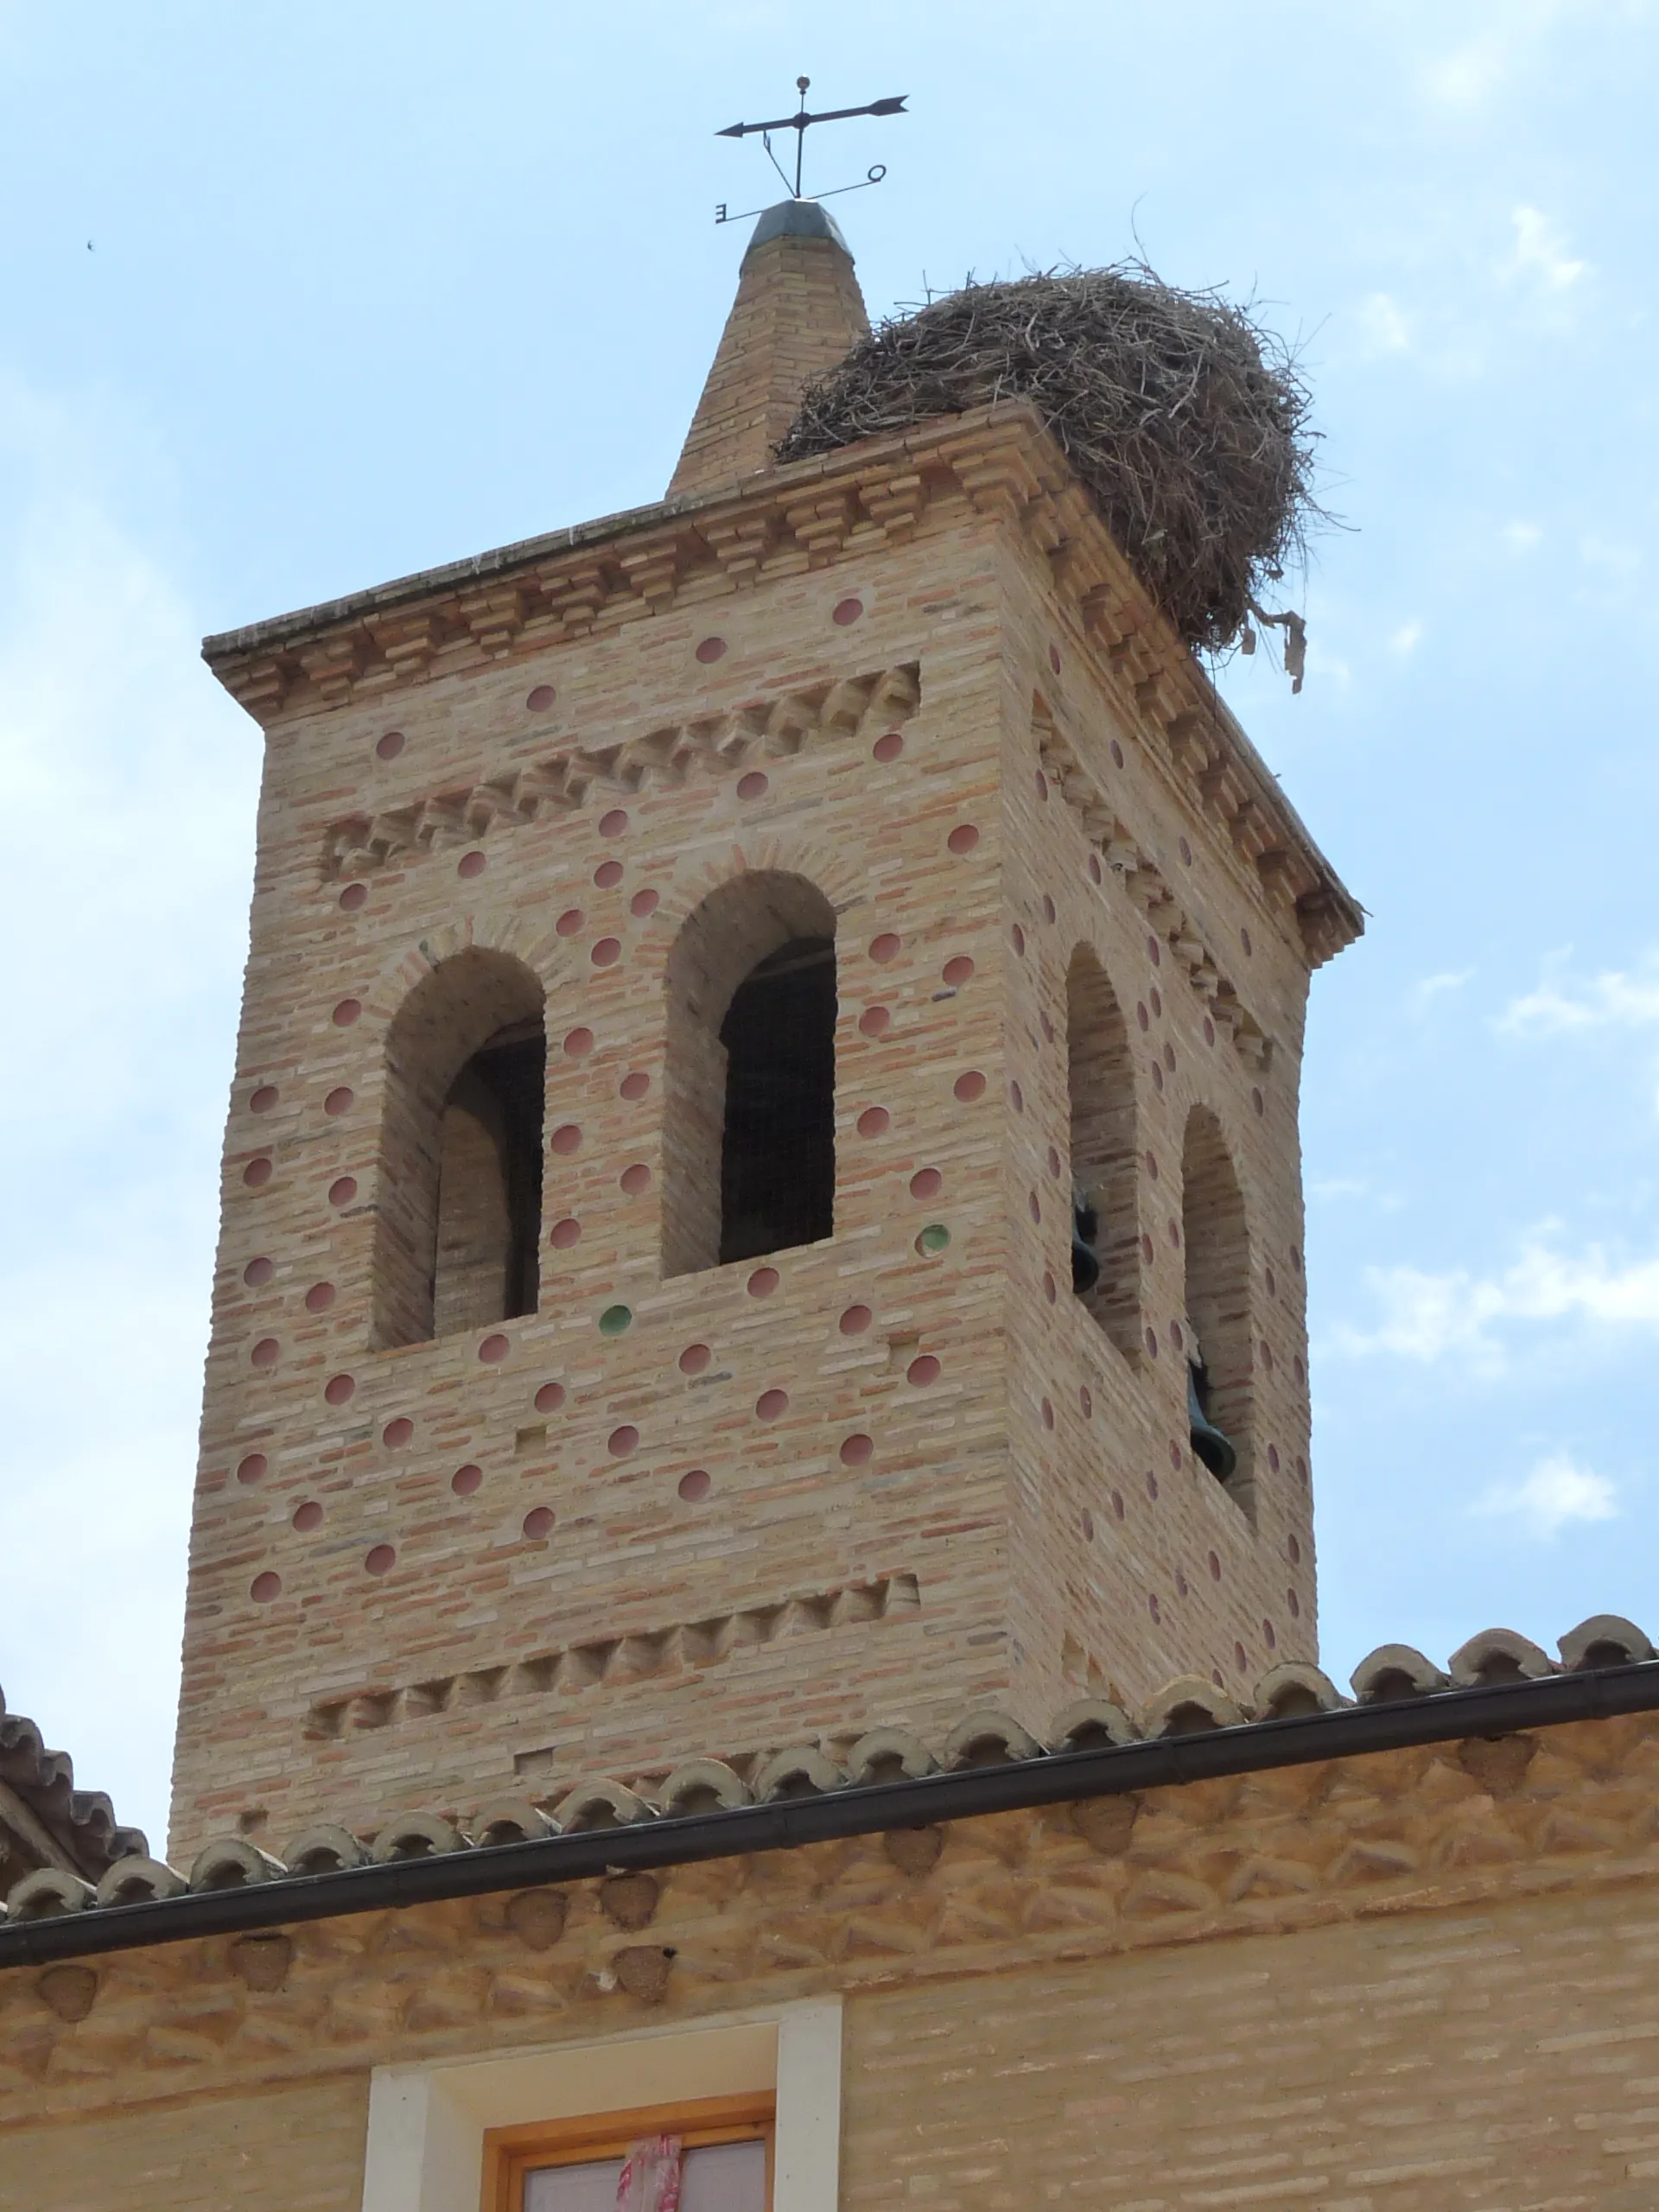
point(707, 966)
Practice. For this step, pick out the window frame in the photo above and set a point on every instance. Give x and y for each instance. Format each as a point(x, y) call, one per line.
point(512, 2154)
point(424, 2147)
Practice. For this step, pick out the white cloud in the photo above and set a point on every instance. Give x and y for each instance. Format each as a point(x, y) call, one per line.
point(1337, 1186)
point(1556, 1491)
point(1618, 557)
point(1613, 1000)
point(1522, 536)
point(1429, 1318)
point(1406, 640)
point(1470, 75)
point(1435, 987)
point(1540, 252)
point(1383, 324)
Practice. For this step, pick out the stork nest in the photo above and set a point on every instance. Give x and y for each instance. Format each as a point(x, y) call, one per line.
point(1185, 417)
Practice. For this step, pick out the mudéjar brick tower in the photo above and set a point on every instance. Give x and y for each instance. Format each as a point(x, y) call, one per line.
point(720, 975)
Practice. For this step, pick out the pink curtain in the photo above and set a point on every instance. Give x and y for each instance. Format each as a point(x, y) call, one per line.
point(650, 2180)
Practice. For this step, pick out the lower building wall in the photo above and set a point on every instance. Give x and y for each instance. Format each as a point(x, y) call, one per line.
point(1504, 2059)
point(1423, 1980)
point(1508, 2060)
point(299, 2148)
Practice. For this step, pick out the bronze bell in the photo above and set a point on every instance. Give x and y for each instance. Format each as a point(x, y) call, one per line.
point(1085, 1227)
point(1217, 1450)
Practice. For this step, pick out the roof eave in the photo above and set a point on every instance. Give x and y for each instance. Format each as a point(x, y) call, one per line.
point(1070, 1778)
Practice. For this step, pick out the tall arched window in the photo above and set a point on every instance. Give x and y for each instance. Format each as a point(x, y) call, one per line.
point(1106, 1230)
point(459, 1210)
point(1217, 1246)
point(749, 1087)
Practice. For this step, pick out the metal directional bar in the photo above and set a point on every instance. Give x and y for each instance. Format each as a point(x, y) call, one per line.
point(830, 115)
point(800, 122)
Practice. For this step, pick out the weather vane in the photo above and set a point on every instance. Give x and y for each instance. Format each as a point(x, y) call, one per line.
point(800, 123)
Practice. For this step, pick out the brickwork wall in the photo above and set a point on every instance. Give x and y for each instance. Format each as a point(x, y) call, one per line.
point(1486, 2062)
point(288, 2150)
point(1156, 1568)
point(433, 1571)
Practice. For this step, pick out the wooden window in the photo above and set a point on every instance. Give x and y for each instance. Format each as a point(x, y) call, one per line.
point(574, 2165)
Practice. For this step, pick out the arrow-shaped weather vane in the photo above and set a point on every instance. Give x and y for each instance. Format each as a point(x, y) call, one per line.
point(800, 123)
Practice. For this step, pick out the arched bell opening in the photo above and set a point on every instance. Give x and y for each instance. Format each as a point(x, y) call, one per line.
point(458, 1191)
point(1215, 1237)
point(777, 1142)
point(490, 1184)
point(1105, 1225)
point(749, 1085)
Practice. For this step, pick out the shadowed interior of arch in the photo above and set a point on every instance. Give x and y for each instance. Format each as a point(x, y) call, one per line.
point(749, 1073)
point(1106, 1232)
point(1215, 1238)
point(778, 1144)
point(458, 1194)
point(490, 1184)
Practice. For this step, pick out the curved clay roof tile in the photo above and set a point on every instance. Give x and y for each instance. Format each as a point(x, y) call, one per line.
point(1189, 1705)
point(887, 1755)
point(799, 1772)
point(136, 1880)
point(1293, 1689)
point(1394, 1671)
point(594, 1801)
point(416, 1835)
point(510, 1820)
point(987, 1738)
point(1499, 1654)
point(1605, 1640)
point(702, 1786)
point(1088, 1724)
point(324, 1849)
point(45, 1893)
point(231, 1862)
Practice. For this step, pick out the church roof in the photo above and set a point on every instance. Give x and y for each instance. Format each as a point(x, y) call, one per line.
point(1493, 1686)
point(45, 1821)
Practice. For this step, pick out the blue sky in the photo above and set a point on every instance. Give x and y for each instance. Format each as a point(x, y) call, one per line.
point(370, 287)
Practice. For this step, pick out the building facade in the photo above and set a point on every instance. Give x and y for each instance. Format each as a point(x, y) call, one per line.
point(752, 1580)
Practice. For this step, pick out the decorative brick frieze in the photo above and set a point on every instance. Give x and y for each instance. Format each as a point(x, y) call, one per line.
point(578, 775)
point(613, 1660)
point(997, 462)
point(1146, 884)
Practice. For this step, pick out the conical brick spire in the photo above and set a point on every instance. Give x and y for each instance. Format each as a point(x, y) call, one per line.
point(798, 309)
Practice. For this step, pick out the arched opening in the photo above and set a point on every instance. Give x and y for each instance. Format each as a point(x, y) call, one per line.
point(1106, 1229)
point(749, 1085)
point(1216, 1243)
point(490, 1184)
point(459, 1210)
